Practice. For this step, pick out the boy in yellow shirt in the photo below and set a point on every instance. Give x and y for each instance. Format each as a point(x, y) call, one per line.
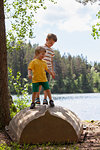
point(39, 68)
point(50, 40)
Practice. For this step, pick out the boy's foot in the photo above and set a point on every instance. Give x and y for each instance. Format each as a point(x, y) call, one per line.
point(37, 101)
point(45, 102)
point(32, 105)
point(51, 102)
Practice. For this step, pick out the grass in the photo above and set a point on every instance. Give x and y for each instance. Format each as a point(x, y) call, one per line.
point(48, 146)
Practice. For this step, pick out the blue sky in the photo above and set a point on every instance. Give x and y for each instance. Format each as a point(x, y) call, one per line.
point(72, 23)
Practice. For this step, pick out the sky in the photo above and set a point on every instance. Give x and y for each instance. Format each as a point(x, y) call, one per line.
point(72, 23)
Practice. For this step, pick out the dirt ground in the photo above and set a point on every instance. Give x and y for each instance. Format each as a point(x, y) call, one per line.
point(90, 139)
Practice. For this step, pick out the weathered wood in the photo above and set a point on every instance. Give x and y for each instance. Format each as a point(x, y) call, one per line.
point(45, 124)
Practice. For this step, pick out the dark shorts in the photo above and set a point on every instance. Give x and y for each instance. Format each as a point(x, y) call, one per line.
point(35, 86)
point(48, 76)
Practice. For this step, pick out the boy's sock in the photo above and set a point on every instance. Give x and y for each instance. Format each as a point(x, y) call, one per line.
point(32, 105)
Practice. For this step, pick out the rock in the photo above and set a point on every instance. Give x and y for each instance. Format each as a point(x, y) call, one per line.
point(45, 124)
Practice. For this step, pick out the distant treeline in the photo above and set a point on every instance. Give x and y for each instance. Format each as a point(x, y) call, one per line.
point(73, 74)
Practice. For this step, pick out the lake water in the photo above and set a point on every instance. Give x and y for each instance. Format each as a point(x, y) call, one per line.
point(85, 106)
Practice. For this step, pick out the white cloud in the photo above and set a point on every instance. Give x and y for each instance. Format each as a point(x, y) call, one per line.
point(68, 15)
point(76, 24)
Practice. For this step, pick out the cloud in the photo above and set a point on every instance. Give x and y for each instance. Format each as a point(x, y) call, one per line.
point(76, 23)
point(68, 15)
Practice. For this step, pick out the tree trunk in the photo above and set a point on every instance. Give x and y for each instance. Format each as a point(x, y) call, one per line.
point(4, 98)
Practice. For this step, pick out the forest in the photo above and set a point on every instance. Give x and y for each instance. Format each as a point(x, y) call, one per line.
point(74, 74)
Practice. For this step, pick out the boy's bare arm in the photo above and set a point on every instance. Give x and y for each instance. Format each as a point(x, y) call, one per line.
point(52, 64)
point(29, 74)
point(52, 73)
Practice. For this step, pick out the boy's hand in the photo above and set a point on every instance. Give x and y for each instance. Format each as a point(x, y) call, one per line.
point(53, 75)
point(29, 76)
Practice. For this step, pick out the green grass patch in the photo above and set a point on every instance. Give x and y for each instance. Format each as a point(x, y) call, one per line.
point(48, 146)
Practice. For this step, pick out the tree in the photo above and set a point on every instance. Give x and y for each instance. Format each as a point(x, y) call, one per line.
point(21, 14)
point(96, 28)
point(84, 2)
point(4, 96)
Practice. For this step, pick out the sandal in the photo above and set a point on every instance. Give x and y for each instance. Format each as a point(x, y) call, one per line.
point(37, 101)
point(51, 102)
point(32, 105)
point(45, 102)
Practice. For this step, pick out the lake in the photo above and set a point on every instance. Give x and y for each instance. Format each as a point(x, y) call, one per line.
point(85, 106)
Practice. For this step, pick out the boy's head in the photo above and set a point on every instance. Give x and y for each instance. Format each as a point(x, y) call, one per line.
point(51, 39)
point(40, 52)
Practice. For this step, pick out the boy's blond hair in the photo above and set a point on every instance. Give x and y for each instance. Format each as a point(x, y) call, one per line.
point(39, 49)
point(52, 36)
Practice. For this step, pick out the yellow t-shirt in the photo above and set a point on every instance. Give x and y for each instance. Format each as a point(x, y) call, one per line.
point(38, 68)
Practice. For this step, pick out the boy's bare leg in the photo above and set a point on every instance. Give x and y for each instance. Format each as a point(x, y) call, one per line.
point(50, 97)
point(33, 100)
point(48, 93)
point(34, 96)
point(45, 95)
point(38, 93)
